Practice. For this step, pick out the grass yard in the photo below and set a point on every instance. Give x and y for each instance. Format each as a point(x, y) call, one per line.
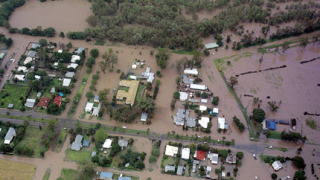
point(77, 156)
point(32, 139)
point(168, 161)
point(140, 88)
point(311, 123)
point(99, 43)
point(12, 95)
point(60, 140)
point(16, 170)
point(275, 135)
point(67, 174)
point(47, 174)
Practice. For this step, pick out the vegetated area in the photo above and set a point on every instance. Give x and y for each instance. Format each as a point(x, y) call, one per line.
point(16, 170)
point(155, 152)
point(29, 141)
point(269, 85)
point(182, 23)
point(60, 141)
point(13, 94)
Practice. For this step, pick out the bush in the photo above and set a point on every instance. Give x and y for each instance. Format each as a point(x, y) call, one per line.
point(298, 162)
point(206, 52)
point(95, 77)
point(215, 100)
point(274, 176)
point(43, 42)
point(94, 53)
point(176, 95)
point(152, 159)
point(95, 159)
point(239, 155)
point(90, 95)
point(155, 152)
point(238, 123)
point(118, 71)
point(94, 82)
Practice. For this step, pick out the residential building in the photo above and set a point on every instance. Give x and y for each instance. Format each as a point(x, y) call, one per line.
point(191, 71)
point(27, 60)
point(180, 170)
point(185, 153)
point(204, 122)
point(183, 96)
point(35, 45)
point(89, 107)
point(107, 143)
point(123, 143)
point(201, 155)
point(171, 151)
point(130, 95)
point(76, 145)
point(72, 65)
point(96, 99)
point(75, 58)
point(214, 158)
point(95, 110)
point(66, 82)
point(69, 74)
point(222, 123)
point(32, 54)
point(79, 50)
point(203, 108)
point(30, 103)
point(57, 100)
point(186, 79)
point(191, 122)
point(179, 118)
point(231, 159)
point(147, 74)
point(44, 102)
point(215, 111)
point(198, 87)
point(9, 136)
point(106, 175)
point(24, 69)
point(277, 165)
point(211, 46)
point(20, 77)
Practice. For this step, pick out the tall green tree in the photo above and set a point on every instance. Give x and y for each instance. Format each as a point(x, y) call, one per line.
point(162, 57)
point(147, 104)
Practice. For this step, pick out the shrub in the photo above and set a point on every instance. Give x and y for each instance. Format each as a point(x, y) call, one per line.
point(90, 95)
point(152, 159)
point(94, 53)
point(43, 42)
point(215, 100)
point(258, 114)
point(239, 155)
point(95, 77)
point(176, 95)
point(118, 71)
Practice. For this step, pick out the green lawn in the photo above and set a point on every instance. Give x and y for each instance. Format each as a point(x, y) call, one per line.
point(168, 161)
point(77, 156)
point(12, 94)
point(47, 174)
point(67, 174)
point(100, 43)
point(33, 95)
point(60, 140)
point(140, 88)
point(275, 135)
point(32, 138)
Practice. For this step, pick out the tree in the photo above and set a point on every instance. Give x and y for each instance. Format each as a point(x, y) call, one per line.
point(162, 57)
point(176, 95)
point(233, 81)
point(49, 32)
point(274, 176)
point(273, 105)
point(90, 95)
point(149, 86)
point(43, 42)
point(179, 67)
point(103, 66)
point(94, 53)
point(101, 135)
point(239, 155)
point(53, 109)
point(95, 159)
point(261, 59)
point(26, 123)
point(215, 100)
point(197, 58)
point(86, 169)
point(147, 104)
point(103, 96)
point(303, 42)
point(299, 175)
point(298, 161)
point(285, 46)
point(178, 81)
point(51, 125)
point(258, 114)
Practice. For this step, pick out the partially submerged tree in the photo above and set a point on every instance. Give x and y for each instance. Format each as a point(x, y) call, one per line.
point(162, 57)
point(147, 104)
point(273, 105)
point(233, 81)
point(258, 114)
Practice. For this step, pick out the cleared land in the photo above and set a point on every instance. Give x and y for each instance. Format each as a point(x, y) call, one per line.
point(12, 94)
point(78, 156)
point(16, 170)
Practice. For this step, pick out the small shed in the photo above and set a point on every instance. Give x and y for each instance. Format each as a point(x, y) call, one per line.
point(96, 98)
point(169, 168)
point(35, 45)
point(180, 170)
point(9, 136)
point(277, 165)
point(38, 94)
point(144, 117)
point(53, 90)
point(37, 77)
point(2, 55)
point(79, 50)
point(106, 175)
point(190, 71)
point(10, 106)
point(198, 87)
point(86, 143)
point(123, 143)
point(204, 101)
point(32, 54)
point(30, 103)
point(271, 125)
point(215, 111)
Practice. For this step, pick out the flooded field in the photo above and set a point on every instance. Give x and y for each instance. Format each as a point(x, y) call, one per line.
point(65, 15)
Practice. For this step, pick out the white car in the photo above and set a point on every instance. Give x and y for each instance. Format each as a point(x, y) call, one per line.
point(256, 177)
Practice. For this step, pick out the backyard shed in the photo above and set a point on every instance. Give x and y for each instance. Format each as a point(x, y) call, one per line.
point(30, 103)
point(69, 74)
point(86, 143)
point(215, 111)
point(96, 98)
point(277, 165)
point(144, 117)
point(180, 170)
point(198, 87)
point(107, 143)
point(106, 175)
point(190, 71)
point(185, 153)
point(169, 168)
point(2, 55)
point(79, 50)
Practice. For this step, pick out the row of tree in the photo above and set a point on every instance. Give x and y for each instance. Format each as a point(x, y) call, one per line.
point(48, 32)
point(7, 41)
point(7, 9)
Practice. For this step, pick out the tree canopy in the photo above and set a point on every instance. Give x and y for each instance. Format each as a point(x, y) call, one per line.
point(258, 114)
point(147, 104)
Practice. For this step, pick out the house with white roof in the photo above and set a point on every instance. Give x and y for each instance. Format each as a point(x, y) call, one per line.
point(185, 153)
point(30, 103)
point(222, 123)
point(204, 122)
point(171, 151)
point(89, 107)
point(107, 143)
point(215, 111)
point(72, 65)
point(198, 87)
point(75, 58)
point(9, 136)
point(37, 77)
point(76, 145)
point(214, 158)
point(69, 74)
point(149, 75)
point(20, 77)
point(23, 69)
point(183, 96)
point(277, 165)
point(203, 108)
point(144, 117)
point(66, 82)
point(27, 60)
point(190, 71)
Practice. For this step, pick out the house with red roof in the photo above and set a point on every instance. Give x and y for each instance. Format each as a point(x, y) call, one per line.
point(57, 100)
point(44, 102)
point(201, 155)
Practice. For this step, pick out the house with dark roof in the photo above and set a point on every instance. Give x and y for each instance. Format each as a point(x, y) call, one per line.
point(76, 145)
point(9, 136)
point(231, 159)
point(57, 100)
point(44, 102)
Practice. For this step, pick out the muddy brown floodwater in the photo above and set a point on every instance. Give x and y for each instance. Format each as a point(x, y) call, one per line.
point(63, 15)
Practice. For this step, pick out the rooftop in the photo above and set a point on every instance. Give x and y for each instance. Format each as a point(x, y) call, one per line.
point(171, 150)
point(44, 102)
point(201, 155)
point(211, 45)
point(132, 92)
